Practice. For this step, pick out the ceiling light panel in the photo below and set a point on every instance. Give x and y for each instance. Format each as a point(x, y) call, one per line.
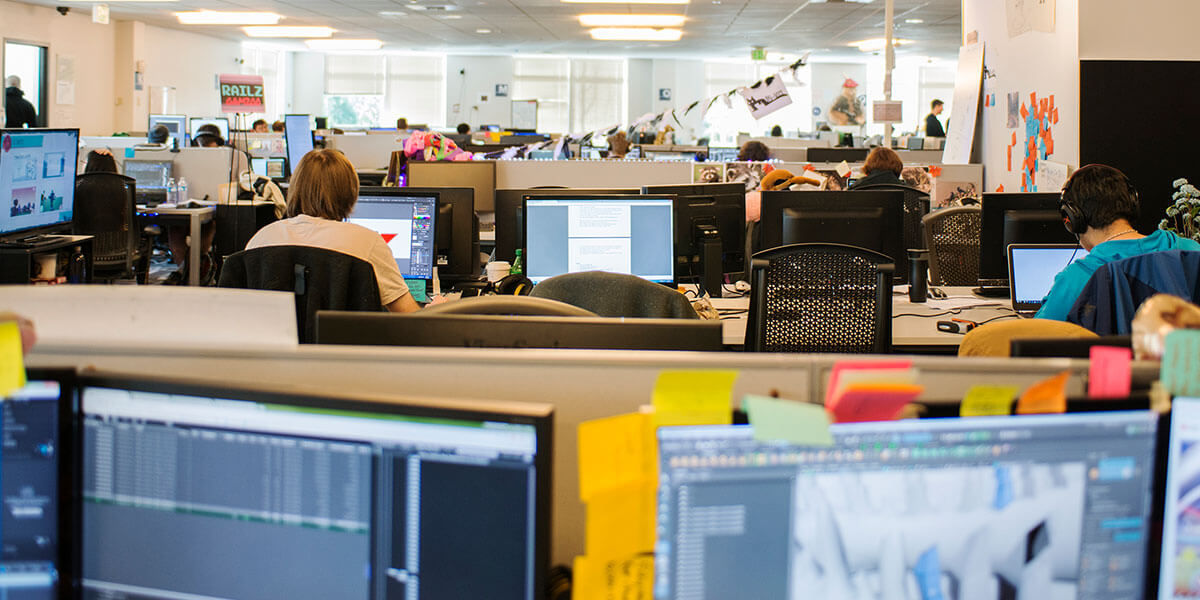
point(288, 32)
point(343, 44)
point(625, 1)
point(594, 20)
point(216, 17)
point(636, 34)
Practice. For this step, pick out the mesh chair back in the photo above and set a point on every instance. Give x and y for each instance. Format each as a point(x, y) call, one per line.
point(952, 237)
point(509, 305)
point(916, 206)
point(821, 298)
point(104, 208)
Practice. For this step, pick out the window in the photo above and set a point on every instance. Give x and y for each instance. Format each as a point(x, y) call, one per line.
point(724, 122)
point(354, 85)
point(574, 95)
point(416, 90)
point(546, 80)
point(373, 91)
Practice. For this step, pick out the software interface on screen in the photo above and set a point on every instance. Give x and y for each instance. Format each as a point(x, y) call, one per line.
point(188, 497)
point(37, 177)
point(1048, 507)
point(1179, 572)
point(150, 174)
point(407, 226)
point(270, 167)
point(176, 124)
point(723, 154)
point(1034, 269)
point(622, 235)
point(29, 481)
point(298, 135)
point(195, 123)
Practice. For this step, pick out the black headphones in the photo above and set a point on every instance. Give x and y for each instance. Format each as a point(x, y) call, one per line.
point(513, 285)
point(1074, 219)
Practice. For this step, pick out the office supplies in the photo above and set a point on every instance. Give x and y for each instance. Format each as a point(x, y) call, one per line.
point(12, 357)
point(151, 177)
point(775, 419)
point(1110, 372)
point(1180, 372)
point(37, 182)
point(1046, 396)
point(1032, 269)
point(988, 400)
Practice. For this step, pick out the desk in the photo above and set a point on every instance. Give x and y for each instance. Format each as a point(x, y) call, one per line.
point(195, 217)
point(910, 333)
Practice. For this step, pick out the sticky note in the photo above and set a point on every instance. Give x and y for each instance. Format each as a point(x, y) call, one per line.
point(129, 153)
point(1110, 372)
point(1180, 373)
point(693, 398)
point(873, 377)
point(608, 578)
point(1010, 158)
point(872, 402)
point(839, 368)
point(1014, 138)
point(799, 423)
point(12, 358)
point(1046, 396)
point(843, 169)
point(1000, 188)
point(417, 288)
point(616, 452)
point(986, 400)
point(621, 520)
point(935, 171)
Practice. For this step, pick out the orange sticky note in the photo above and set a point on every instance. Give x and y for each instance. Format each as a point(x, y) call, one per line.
point(859, 403)
point(1010, 158)
point(1046, 396)
point(1024, 113)
point(1110, 372)
point(1014, 139)
point(1000, 188)
point(935, 171)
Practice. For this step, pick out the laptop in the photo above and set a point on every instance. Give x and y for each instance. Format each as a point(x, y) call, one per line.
point(151, 177)
point(1032, 269)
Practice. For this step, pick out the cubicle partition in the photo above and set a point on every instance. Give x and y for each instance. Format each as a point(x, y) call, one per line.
point(260, 145)
point(365, 151)
point(206, 169)
point(522, 174)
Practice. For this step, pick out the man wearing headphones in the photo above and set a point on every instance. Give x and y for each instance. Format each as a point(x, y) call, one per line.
point(1099, 205)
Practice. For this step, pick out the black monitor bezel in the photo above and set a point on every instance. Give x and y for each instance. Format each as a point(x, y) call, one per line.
point(395, 192)
point(61, 225)
point(719, 193)
point(510, 217)
point(991, 228)
point(293, 395)
point(464, 231)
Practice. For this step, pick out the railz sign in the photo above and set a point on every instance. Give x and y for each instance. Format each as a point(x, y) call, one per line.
point(241, 93)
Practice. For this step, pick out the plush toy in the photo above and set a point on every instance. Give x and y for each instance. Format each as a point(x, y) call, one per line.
point(432, 146)
point(782, 179)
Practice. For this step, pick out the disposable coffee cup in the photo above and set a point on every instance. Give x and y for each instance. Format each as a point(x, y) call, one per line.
point(498, 270)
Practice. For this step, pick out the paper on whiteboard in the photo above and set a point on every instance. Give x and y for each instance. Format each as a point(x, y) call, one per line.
point(1051, 176)
point(967, 82)
point(1023, 16)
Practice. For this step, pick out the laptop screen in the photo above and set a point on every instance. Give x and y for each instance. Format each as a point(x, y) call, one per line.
point(407, 226)
point(630, 234)
point(1045, 506)
point(1032, 268)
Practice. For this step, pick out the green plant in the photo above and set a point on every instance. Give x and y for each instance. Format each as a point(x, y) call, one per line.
point(1183, 217)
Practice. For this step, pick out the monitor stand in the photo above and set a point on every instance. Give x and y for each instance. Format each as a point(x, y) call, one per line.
point(992, 291)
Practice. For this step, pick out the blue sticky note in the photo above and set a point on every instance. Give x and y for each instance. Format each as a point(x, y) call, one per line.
point(129, 153)
point(799, 423)
point(1181, 363)
point(417, 288)
point(928, 572)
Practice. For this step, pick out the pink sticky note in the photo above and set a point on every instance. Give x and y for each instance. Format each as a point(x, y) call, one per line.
point(873, 365)
point(872, 403)
point(1110, 373)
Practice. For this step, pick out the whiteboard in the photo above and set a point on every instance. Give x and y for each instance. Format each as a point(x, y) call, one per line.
point(524, 114)
point(961, 133)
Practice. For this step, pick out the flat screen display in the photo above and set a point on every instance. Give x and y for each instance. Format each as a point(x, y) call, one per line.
point(37, 177)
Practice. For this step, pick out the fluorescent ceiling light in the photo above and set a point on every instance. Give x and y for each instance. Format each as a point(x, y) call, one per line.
point(216, 17)
point(344, 44)
point(631, 20)
point(877, 44)
point(483, 31)
point(289, 32)
point(626, 1)
point(914, 21)
point(636, 34)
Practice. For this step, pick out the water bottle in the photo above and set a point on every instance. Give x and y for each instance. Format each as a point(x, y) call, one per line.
point(918, 275)
point(518, 265)
point(172, 191)
point(183, 192)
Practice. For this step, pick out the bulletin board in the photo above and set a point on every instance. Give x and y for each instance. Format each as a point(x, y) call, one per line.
point(524, 114)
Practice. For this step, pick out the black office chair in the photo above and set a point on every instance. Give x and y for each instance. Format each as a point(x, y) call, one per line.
point(616, 295)
point(916, 206)
point(952, 237)
point(820, 298)
point(320, 279)
point(105, 209)
point(509, 305)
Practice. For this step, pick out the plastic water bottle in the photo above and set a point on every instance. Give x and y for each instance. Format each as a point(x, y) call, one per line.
point(183, 192)
point(172, 191)
point(518, 265)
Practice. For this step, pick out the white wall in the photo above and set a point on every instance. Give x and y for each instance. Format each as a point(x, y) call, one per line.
point(1044, 63)
point(1127, 30)
point(190, 62)
point(308, 83)
point(466, 91)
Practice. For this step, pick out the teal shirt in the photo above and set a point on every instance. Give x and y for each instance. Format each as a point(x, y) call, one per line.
point(1070, 281)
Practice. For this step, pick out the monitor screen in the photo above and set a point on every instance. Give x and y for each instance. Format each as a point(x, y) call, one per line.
point(176, 124)
point(1044, 506)
point(222, 123)
point(407, 224)
point(1179, 572)
point(37, 177)
point(510, 215)
point(297, 134)
point(723, 154)
point(707, 211)
point(270, 167)
point(1034, 268)
point(150, 174)
point(31, 481)
point(223, 493)
point(620, 234)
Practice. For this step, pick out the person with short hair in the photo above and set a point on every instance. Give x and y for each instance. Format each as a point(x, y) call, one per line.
point(208, 136)
point(1105, 199)
point(463, 129)
point(260, 126)
point(159, 135)
point(278, 126)
point(19, 112)
point(321, 195)
point(101, 161)
point(883, 166)
point(777, 131)
point(754, 151)
point(933, 127)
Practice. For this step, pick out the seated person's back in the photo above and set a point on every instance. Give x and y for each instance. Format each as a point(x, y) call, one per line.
point(882, 167)
point(1099, 205)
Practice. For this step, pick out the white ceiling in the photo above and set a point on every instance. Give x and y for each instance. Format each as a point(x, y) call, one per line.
point(715, 28)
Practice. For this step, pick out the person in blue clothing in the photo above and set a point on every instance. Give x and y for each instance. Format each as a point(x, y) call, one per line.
point(1099, 205)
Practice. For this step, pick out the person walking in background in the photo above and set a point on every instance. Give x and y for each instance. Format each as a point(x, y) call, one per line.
point(19, 112)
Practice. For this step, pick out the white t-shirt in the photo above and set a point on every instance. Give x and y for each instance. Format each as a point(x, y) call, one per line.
point(339, 236)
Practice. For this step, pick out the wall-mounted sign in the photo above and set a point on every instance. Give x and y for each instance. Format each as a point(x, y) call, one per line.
point(501, 90)
point(887, 111)
point(664, 93)
point(241, 93)
point(758, 53)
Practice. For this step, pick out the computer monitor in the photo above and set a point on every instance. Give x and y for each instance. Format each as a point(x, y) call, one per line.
point(837, 155)
point(151, 177)
point(621, 234)
point(407, 223)
point(298, 136)
point(37, 180)
point(511, 331)
point(39, 480)
point(867, 219)
point(1015, 218)
point(456, 239)
point(1042, 506)
point(1179, 575)
point(195, 491)
point(222, 123)
point(492, 128)
point(722, 154)
point(479, 175)
point(707, 213)
point(510, 216)
point(272, 167)
point(176, 124)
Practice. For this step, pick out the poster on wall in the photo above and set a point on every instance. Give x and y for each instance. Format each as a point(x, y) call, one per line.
point(1023, 16)
point(241, 93)
point(960, 135)
point(766, 97)
point(828, 88)
point(65, 79)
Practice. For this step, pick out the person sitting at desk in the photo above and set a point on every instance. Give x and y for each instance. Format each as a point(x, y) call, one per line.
point(463, 129)
point(754, 151)
point(101, 161)
point(883, 166)
point(260, 126)
point(1105, 203)
point(321, 196)
point(278, 126)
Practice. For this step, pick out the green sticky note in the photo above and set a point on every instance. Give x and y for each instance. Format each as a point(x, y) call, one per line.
point(798, 423)
point(12, 359)
point(988, 400)
point(693, 398)
point(416, 287)
point(1181, 363)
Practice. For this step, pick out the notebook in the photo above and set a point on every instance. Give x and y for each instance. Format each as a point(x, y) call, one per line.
point(1031, 272)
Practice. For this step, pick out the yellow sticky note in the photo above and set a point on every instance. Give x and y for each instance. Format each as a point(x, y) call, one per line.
point(799, 423)
point(621, 520)
point(693, 398)
point(615, 452)
point(12, 359)
point(985, 400)
point(628, 578)
point(1048, 396)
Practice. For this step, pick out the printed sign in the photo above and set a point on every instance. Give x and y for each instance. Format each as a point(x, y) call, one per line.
point(887, 111)
point(766, 97)
point(241, 93)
